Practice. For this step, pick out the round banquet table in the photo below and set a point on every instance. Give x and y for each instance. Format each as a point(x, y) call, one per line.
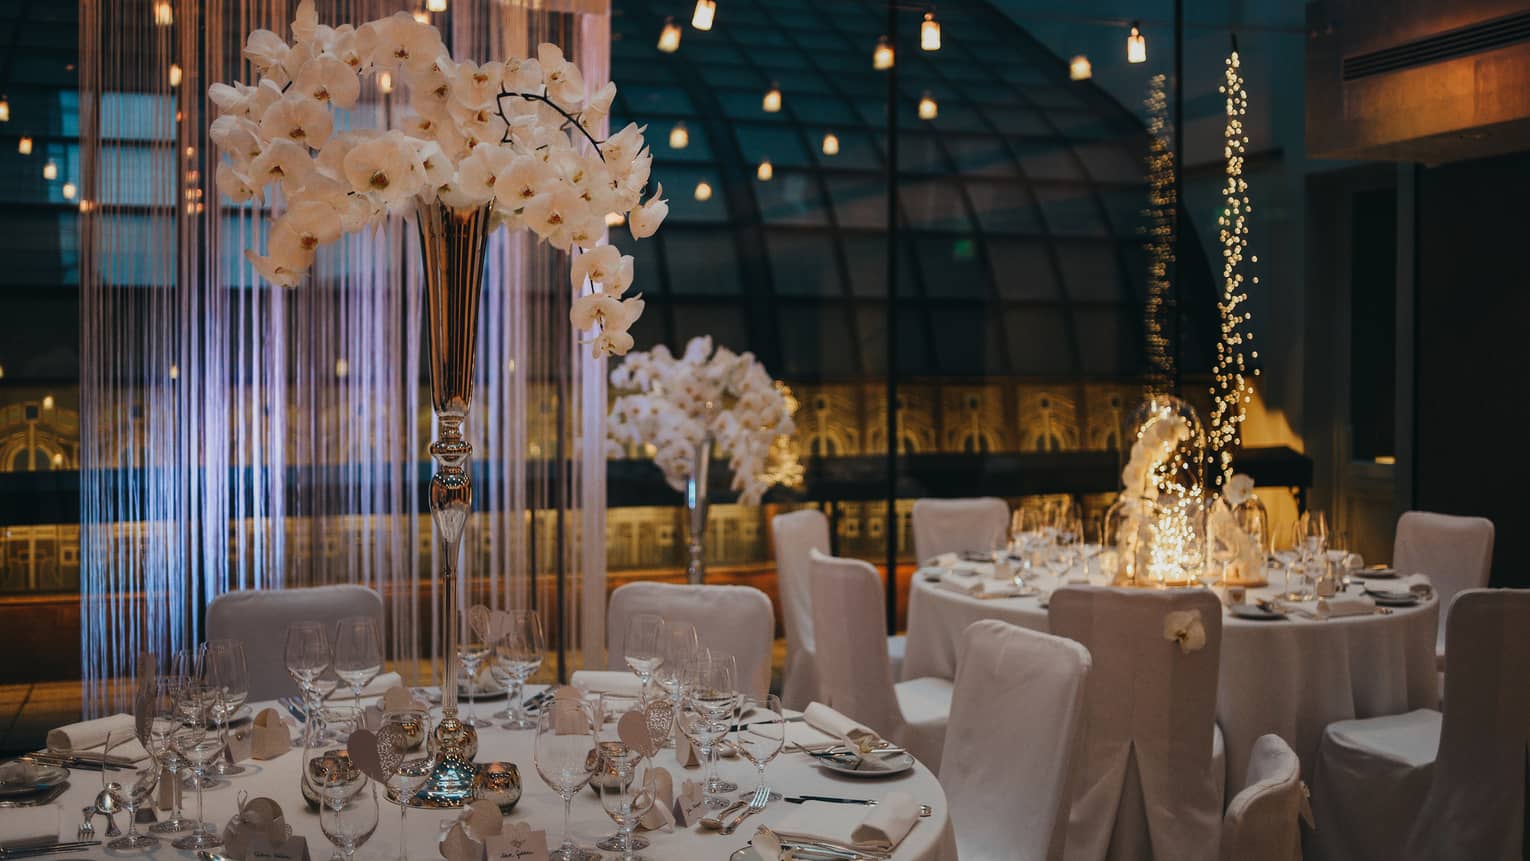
point(1291, 677)
point(932, 839)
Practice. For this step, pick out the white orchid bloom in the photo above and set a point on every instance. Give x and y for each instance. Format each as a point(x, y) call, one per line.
point(305, 22)
point(438, 168)
point(236, 186)
point(387, 167)
point(231, 99)
point(486, 172)
point(598, 107)
point(523, 75)
point(476, 86)
point(299, 119)
point(238, 137)
point(404, 43)
point(285, 162)
point(611, 344)
point(599, 266)
point(565, 83)
point(283, 273)
point(550, 215)
point(645, 220)
point(480, 125)
point(312, 222)
point(265, 50)
point(328, 79)
point(587, 232)
point(621, 148)
point(528, 179)
point(356, 47)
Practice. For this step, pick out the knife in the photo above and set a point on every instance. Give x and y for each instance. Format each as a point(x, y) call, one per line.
point(741, 726)
point(52, 849)
point(924, 809)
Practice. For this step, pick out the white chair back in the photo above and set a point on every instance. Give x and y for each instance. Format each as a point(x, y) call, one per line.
point(795, 535)
point(1263, 821)
point(850, 621)
point(1456, 553)
point(953, 525)
point(260, 618)
point(1476, 801)
point(1010, 739)
point(1149, 720)
point(738, 620)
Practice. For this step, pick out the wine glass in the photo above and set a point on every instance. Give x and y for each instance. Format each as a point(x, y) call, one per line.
point(640, 646)
point(517, 657)
point(626, 800)
point(350, 820)
point(471, 654)
point(164, 719)
point(132, 796)
point(677, 646)
point(199, 748)
point(565, 743)
point(1314, 534)
point(706, 715)
point(225, 660)
point(308, 656)
point(1026, 530)
point(358, 655)
point(763, 737)
point(409, 774)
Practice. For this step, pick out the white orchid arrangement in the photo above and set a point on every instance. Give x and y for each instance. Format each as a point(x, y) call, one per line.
point(508, 136)
point(672, 403)
point(1156, 443)
point(1185, 628)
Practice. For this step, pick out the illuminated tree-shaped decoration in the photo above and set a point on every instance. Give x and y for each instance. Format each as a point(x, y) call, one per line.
point(1157, 528)
point(1162, 198)
point(1232, 385)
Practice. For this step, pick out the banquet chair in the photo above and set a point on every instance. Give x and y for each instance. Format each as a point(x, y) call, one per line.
point(738, 620)
point(1263, 821)
point(1429, 785)
point(855, 675)
point(1456, 553)
point(259, 618)
point(794, 536)
point(953, 525)
point(1150, 769)
point(1010, 739)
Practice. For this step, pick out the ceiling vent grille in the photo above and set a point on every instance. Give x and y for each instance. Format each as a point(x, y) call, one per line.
point(1475, 39)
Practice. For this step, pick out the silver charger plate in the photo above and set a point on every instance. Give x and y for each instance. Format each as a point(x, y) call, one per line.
point(872, 766)
point(44, 777)
point(1254, 612)
point(244, 713)
point(1385, 600)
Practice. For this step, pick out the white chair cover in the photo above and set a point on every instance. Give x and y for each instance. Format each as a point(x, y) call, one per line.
point(738, 620)
point(854, 673)
point(1146, 760)
point(954, 525)
point(1456, 553)
point(260, 620)
point(1010, 740)
point(795, 535)
point(1262, 822)
point(1459, 778)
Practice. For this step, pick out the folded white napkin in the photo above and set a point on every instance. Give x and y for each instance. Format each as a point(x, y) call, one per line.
point(953, 564)
point(983, 588)
point(825, 719)
point(607, 682)
point(1346, 605)
point(1401, 587)
point(86, 736)
point(375, 688)
point(881, 830)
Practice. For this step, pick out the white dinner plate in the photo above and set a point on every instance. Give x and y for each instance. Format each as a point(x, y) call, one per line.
point(42, 777)
point(1255, 612)
point(873, 765)
point(1378, 573)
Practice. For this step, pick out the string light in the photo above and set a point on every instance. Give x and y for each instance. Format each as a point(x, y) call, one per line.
point(164, 13)
point(706, 11)
point(384, 82)
point(47, 402)
point(765, 172)
point(883, 57)
point(929, 33)
point(772, 101)
point(1162, 197)
point(1136, 45)
point(191, 152)
point(703, 190)
point(831, 144)
point(85, 205)
point(342, 367)
point(928, 109)
point(175, 74)
point(1079, 68)
point(24, 146)
point(69, 191)
point(615, 219)
point(421, 16)
point(435, 5)
point(669, 37)
point(175, 371)
point(5, 109)
point(50, 170)
point(679, 137)
point(1232, 386)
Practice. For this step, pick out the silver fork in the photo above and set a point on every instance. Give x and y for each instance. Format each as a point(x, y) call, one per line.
point(756, 804)
point(87, 828)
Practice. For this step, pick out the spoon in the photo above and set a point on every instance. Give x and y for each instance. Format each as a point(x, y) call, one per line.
point(106, 805)
point(715, 822)
point(204, 855)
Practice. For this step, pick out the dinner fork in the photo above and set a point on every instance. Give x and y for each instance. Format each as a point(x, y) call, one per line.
point(87, 828)
point(756, 804)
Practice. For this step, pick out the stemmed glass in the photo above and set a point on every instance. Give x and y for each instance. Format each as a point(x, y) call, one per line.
point(677, 646)
point(517, 657)
point(763, 738)
point(308, 657)
point(226, 660)
point(358, 655)
point(131, 797)
point(164, 718)
point(409, 774)
point(199, 748)
point(640, 646)
point(565, 744)
point(625, 800)
point(350, 820)
point(706, 714)
point(471, 654)
point(1025, 532)
point(1067, 535)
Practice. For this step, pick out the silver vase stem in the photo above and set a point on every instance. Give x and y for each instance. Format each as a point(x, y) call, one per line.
point(696, 504)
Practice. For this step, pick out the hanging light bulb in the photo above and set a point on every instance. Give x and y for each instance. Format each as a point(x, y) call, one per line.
point(47, 402)
point(669, 37)
point(342, 367)
point(164, 13)
point(50, 170)
point(929, 33)
point(24, 146)
point(175, 74)
point(765, 172)
point(615, 219)
point(435, 5)
point(5, 109)
point(882, 58)
point(679, 137)
point(706, 10)
point(69, 191)
point(421, 16)
point(84, 205)
point(928, 109)
point(703, 190)
point(831, 144)
point(385, 82)
point(175, 371)
point(1136, 45)
point(772, 101)
point(191, 152)
point(1079, 68)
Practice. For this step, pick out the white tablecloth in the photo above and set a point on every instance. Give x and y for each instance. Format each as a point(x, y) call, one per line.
point(1290, 677)
point(792, 773)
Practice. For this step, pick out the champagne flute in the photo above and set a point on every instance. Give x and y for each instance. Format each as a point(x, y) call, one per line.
point(226, 660)
point(358, 655)
point(132, 796)
point(565, 742)
point(409, 774)
point(517, 657)
point(308, 656)
point(640, 646)
point(763, 738)
point(350, 820)
point(471, 653)
point(626, 800)
point(199, 748)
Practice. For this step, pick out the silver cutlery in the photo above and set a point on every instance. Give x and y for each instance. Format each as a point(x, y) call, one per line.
point(756, 804)
point(47, 849)
point(87, 828)
point(106, 805)
point(743, 726)
point(204, 855)
point(925, 810)
point(715, 823)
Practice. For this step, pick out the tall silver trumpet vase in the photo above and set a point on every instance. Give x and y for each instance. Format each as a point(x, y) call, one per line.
point(696, 505)
point(452, 245)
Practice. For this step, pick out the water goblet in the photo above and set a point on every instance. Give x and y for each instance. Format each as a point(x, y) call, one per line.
point(349, 821)
point(130, 797)
point(358, 657)
point(407, 774)
point(626, 800)
point(565, 741)
point(517, 656)
point(198, 747)
point(308, 657)
point(225, 661)
point(163, 712)
point(640, 646)
point(471, 654)
point(763, 737)
point(707, 713)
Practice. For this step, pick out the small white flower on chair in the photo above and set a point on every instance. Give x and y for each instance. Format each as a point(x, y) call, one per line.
point(1184, 627)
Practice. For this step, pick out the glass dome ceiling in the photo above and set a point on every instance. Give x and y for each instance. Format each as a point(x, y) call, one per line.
point(1021, 201)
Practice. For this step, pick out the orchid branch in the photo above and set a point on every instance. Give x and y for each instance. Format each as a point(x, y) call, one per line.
point(542, 97)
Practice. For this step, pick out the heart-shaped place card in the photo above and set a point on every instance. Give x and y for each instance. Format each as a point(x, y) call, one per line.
point(690, 804)
point(518, 843)
point(659, 714)
point(366, 754)
point(459, 845)
point(632, 729)
point(478, 621)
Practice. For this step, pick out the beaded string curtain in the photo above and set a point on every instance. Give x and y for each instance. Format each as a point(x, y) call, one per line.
point(239, 436)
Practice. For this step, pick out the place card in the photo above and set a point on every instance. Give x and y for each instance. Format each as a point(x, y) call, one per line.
point(518, 842)
point(685, 752)
point(690, 804)
point(661, 816)
point(241, 743)
point(294, 849)
point(269, 737)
